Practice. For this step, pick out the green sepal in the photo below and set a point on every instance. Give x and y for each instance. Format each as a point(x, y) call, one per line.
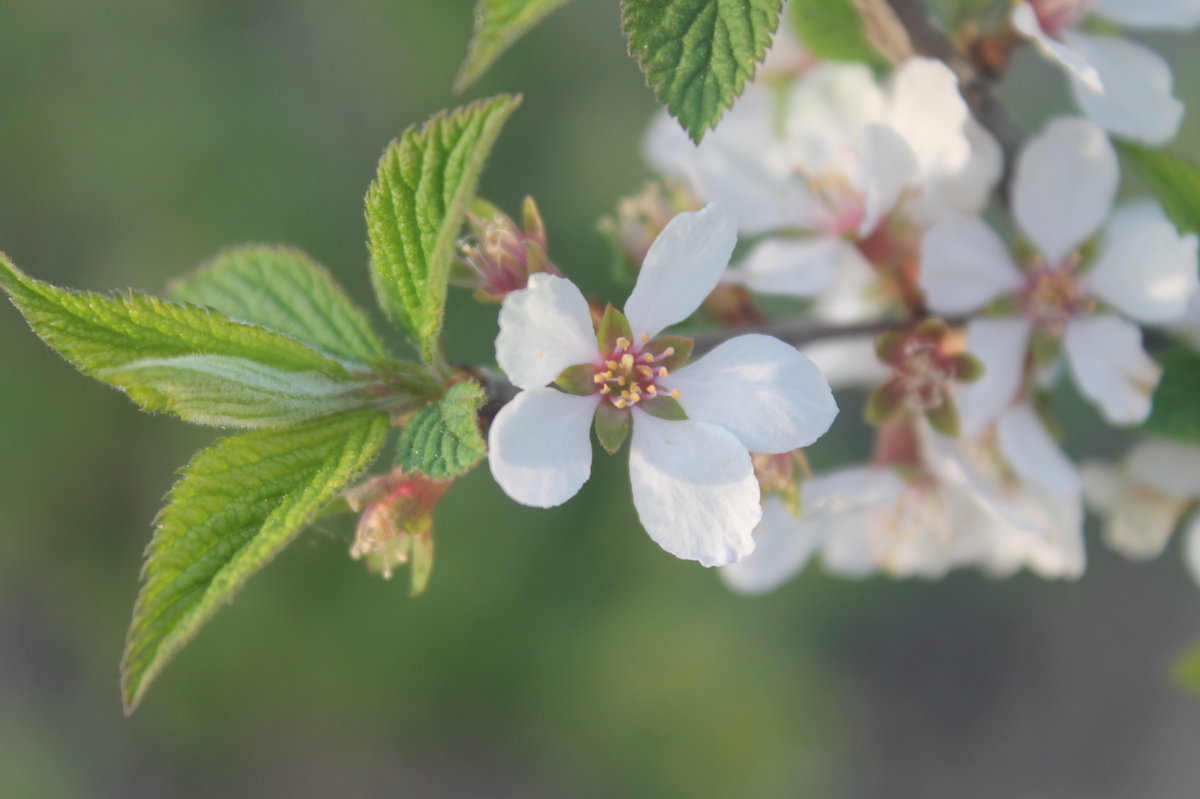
point(884, 403)
point(613, 325)
point(664, 407)
point(420, 563)
point(578, 379)
point(968, 368)
point(1044, 347)
point(683, 350)
point(612, 427)
point(888, 346)
point(932, 327)
point(944, 418)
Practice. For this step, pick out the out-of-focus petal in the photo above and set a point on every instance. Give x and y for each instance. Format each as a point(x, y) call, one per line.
point(1191, 547)
point(795, 267)
point(848, 361)
point(1064, 186)
point(1001, 345)
point(1025, 20)
point(694, 489)
point(544, 329)
point(965, 190)
point(783, 543)
point(1171, 467)
point(928, 111)
point(539, 447)
point(1159, 14)
point(766, 392)
point(1033, 454)
point(965, 265)
point(683, 265)
point(1110, 367)
point(888, 168)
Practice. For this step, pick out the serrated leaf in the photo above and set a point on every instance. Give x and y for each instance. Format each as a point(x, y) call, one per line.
point(443, 440)
point(236, 506)
point(1176, 410)
point(415, 209)
point(188, 360)
point(698, 54)
point(499, 23)
point(1174, 180)
point(286, 290)
point(833, 30)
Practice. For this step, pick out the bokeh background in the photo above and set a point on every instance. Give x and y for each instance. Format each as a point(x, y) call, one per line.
point(557, 653)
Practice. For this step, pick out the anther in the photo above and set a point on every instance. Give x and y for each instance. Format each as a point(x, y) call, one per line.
point(675, 393)
point(645, 337)
point(667, 353)
point(652, 390)
point(598, 377)
point(611, 365)
point(648, 357)
point(621, 403)
point(624, 343)
point(606, 389)
point(646, 370)
point(620, 381)
point(627, 361)
point(662, 371)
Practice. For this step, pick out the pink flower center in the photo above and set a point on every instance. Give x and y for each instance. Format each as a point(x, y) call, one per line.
point(630, 373)
point(845, 205)
point(1052, 294)
point(1055, 15)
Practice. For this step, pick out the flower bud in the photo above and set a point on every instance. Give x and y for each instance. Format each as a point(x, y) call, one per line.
point(640, 218)
point(501, 255)
point(396, 524)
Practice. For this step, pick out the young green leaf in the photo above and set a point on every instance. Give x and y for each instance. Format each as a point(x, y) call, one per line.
point(698, 54)
point(443, 439)
point(236, 506)
point(833, 30)
point(191, 361)
point(1173, 179)
point(499, 23)
point(415, 209)
point(285, 290)
point(1176, 412)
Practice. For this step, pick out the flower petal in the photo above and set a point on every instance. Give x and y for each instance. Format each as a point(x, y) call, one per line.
point(1171, 467)
point(829, 109)
point(888, 167)
point(848, 361)
point(544, 329)
point(795, 267)
point(783, 543)
point(683, 265)
point(1135, 101)
point(1025, 20)
point(1001, 345)
point(928, 111)
point(539, 447)
point(1160, 14)
point(1111, 368)
point(1191, 547)
point(1033, 454)
point(694, 489)
point(765, 392)
point(1065, 182)
point(965, 265)
point(1145, 268)
point(965, 190)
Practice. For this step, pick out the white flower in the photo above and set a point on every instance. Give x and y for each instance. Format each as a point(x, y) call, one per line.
point(1144, 499)
point(693, 483)
point(849, 153)
point(1063, 192)
point(1123, 87)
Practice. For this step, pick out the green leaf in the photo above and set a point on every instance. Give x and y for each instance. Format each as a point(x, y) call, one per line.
point(833, 30)
point(443, 440)
point(1173, 179)
point(1176, 410)
point(499, 23)
point(1185, 671)
point(415, 209)
point(236, 506)
point(698, 54)
point(285, 290)
point(188, 360)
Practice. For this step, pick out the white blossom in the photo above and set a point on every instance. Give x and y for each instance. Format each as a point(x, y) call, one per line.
point(693, 483)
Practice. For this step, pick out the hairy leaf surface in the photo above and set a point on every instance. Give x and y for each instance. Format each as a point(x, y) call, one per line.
point(443, 439)
point(236, 506)
point(415, 209)
point(286, 290)
point(698, 54)
point(499, 23)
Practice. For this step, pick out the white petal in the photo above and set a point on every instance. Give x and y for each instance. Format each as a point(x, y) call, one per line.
point(854, 295)
point(1064, 186)
point(1001, 345)
point(1191, 547)
point(827, 111)
point(850, 549)
point(965, 190)
point(1025, 20)
point(1141, 527)
point(1170, 467)
point(544, 329)
point(928, 111)
point(848, 361)
point(965, 265)
point(1033, 454)
point(1110, 367)
point(1135, 101)
point(1161, 14)
point(844, 490)
point(795, 267)
point(1145, 268)
point(539, 447)
point(683, 265)
point(766, 392)
point(694, 489)
point(782, 545)
point(888, 167)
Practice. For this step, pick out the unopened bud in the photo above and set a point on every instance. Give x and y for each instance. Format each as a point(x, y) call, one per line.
point(502, 255)
point(640, 218)
point(395, 525)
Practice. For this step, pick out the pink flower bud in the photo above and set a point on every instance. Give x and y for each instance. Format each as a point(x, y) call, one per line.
point(501, 255)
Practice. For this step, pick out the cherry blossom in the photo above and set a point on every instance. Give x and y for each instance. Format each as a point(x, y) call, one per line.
point(1062, 296)
point(1124, 87)
point(693, 428)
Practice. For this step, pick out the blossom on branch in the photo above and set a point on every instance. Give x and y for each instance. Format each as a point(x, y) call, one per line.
point(693, 426)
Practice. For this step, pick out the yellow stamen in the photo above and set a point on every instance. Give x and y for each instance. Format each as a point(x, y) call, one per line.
point(667, 353)
point(652, 390)
point(624, 343)
point(606, 389)
point(662, 371)
point(645, 337)
point(675, 393)
point(646, 370)
point(621, 403)
point(611, 365)
point(620, 381)
point(598, 378)
point(627, 361)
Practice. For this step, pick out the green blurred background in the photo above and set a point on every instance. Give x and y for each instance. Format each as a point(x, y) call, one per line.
point(557, 653)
